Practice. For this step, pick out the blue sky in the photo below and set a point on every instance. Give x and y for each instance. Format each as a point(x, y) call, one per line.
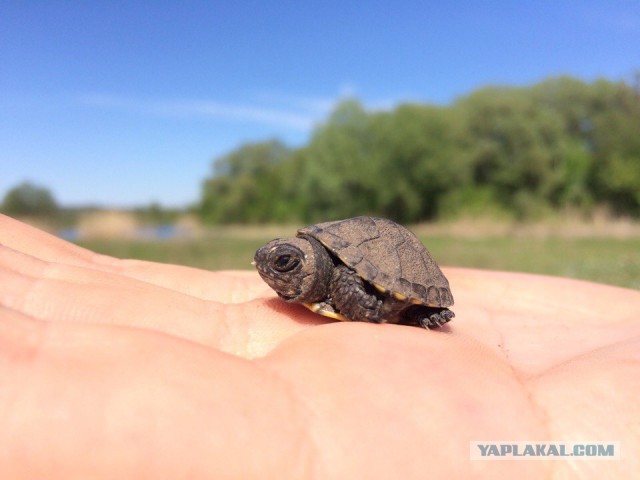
point(124, 103)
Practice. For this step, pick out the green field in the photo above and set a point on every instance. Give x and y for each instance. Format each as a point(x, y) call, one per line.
point(611, 260)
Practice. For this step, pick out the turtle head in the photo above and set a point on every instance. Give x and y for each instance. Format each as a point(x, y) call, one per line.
point(298, 269)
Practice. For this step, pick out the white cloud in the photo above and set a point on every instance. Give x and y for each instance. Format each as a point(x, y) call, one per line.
point(320, 105)
point(289, 111)
point(251, 113)
point(290, 118)
point(300, 103)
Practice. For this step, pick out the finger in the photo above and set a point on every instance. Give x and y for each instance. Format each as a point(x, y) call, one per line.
point(220, 287)
point(591, 394)
point(225, 287)
point(549, 298)
point(537, 321)
point(71, 394)
point(24, 238)
point(66, 293)
point(59, 292)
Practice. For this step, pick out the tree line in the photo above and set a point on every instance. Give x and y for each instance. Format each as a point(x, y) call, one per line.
point(28, 199)
point(520, 153)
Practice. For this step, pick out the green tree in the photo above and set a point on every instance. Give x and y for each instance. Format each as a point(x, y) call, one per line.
point(336, 179)
point(499, 151)
point(397, 164)
point(417, 161)
point(515, 146)
point(244, 186)
point(29, 199)
point(602, 121)
point(616, 147)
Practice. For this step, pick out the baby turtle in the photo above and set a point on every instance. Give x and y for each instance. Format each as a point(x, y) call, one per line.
point(360, 269)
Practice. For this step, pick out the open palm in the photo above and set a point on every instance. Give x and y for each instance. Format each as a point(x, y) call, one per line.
point(112, 368)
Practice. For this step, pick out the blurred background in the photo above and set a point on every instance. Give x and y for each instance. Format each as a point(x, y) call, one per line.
point(505, 134)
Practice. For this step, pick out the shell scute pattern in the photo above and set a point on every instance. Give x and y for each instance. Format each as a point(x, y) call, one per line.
point(387, 255)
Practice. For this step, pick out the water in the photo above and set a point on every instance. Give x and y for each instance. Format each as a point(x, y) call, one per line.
point(166, 231)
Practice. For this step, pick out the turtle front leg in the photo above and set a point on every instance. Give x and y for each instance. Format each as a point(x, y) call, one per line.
point(351, 299)
point(428, 317)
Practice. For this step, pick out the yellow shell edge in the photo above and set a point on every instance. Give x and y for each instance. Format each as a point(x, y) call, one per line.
point(380, 288)
point(399, 296)
point(317, 308)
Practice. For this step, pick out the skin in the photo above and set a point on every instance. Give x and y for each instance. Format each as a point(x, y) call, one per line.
point(126, 369)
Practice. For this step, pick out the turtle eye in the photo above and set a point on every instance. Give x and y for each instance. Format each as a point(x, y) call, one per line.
point(285, 263)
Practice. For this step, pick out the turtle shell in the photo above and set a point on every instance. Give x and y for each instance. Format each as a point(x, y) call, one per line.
point(386, 255)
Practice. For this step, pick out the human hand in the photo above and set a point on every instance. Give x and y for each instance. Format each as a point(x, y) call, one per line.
point(117, 368)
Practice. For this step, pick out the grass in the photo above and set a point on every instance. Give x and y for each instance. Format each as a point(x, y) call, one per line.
point(605, 260)
point(612, 260)
point(220, 253)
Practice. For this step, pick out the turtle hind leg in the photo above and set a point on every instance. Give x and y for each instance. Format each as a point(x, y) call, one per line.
point(427, 317)
point(352, 299)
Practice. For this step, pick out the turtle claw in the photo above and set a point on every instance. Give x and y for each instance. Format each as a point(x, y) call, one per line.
point(429, 317)
point(438, 319)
